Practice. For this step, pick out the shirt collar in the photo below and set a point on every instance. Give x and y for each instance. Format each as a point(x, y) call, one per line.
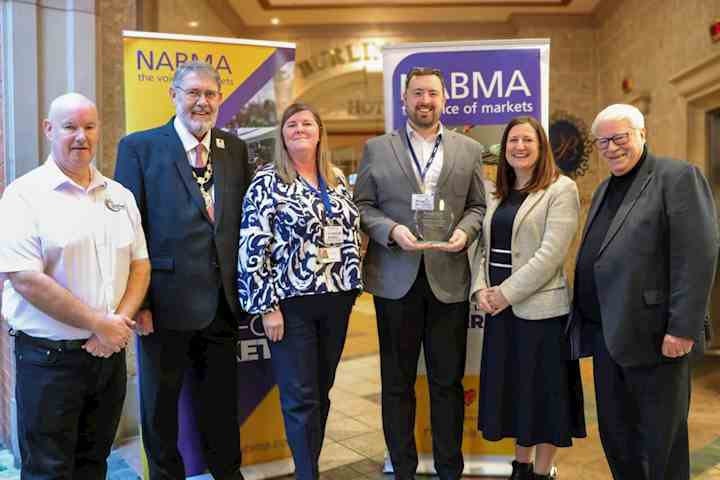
point(412, 134)
point(188, 139)
point(56, 178)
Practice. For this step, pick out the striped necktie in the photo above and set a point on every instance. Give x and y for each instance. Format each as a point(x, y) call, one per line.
point(200, 160)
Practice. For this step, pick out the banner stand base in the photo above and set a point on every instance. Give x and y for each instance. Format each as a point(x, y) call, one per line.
point(475, 465)
point(260, 471)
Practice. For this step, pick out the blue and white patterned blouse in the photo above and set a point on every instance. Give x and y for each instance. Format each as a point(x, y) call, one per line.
point(280, 235)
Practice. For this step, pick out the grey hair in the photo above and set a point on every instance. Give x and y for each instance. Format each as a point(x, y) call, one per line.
point(201, 68)
point(619, 112)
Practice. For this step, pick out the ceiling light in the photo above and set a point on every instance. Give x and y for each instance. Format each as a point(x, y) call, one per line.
point(193, 24)
point(275, 21)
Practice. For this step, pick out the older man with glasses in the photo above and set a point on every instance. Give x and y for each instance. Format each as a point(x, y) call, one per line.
point(189, 180)
point(643, 276)
point(421, 289)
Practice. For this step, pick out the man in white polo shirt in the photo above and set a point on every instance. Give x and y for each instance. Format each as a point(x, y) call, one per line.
point(74, 265)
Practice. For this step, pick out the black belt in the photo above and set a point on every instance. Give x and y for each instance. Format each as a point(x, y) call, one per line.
point(56, 345)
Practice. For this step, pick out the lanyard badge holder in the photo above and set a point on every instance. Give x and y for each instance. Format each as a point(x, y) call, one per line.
point(332, 235)
point(433, 217)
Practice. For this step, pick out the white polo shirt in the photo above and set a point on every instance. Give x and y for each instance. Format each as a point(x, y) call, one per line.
point(83, 238)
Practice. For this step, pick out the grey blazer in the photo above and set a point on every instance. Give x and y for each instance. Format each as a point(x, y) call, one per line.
point(544, 228)
point(385, 184)
point(655, 268)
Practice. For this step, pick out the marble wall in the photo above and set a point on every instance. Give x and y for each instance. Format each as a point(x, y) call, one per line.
point(6, 361)
point(112, 18)
point(648, 42)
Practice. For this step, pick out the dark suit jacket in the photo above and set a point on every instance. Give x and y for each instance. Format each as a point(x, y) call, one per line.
point(191, 257)
point(656, 266)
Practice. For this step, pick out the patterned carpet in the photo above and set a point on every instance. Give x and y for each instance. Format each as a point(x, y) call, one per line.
point(355, 447)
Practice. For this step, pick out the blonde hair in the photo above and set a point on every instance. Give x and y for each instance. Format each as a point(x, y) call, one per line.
point(283, 163)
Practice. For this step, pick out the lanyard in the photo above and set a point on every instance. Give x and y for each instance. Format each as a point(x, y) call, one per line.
point(322, 192)
point(430, 160)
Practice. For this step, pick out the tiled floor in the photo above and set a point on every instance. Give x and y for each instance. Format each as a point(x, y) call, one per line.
point(354, 446)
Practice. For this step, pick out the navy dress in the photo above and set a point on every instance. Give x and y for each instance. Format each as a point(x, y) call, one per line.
point(528, 391)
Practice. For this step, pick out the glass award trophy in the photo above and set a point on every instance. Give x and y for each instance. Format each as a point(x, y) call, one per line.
point(434, 227)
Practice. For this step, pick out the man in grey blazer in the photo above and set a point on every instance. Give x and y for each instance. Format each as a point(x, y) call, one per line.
point(421, 291)
point(643, 277)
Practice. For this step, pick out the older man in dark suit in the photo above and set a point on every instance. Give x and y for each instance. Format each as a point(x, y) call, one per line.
point(643, 277)
point(189, 180)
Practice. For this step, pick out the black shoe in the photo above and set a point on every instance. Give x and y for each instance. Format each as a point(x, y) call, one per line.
point(236, 475)
point(550, 476)
point(521, 471)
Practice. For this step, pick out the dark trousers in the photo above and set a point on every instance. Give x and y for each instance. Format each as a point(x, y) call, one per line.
point(404, 325)
point(210, 354)
point(304, 362)
point(68, 408)
point(642, 416)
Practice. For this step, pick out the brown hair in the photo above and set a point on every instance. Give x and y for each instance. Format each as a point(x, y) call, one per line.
point(283, 163)
point(545, 172)
point(422, 72)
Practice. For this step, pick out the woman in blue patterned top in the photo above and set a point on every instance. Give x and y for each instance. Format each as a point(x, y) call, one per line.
point(299, 267)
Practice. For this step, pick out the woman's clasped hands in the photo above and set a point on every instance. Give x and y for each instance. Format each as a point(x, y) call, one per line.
point(491, 300)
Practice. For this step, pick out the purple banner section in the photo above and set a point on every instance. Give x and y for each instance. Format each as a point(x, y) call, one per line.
point(254, 367)
point(253, 84)
point(485, 87)
point(255, 380)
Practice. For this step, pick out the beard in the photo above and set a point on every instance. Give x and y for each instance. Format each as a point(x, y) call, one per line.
point(426, 121)
point(196, 126)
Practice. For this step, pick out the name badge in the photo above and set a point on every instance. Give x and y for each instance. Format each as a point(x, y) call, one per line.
point(332, 234)
point(329, 255)
point(423, 201)
point(112, 206)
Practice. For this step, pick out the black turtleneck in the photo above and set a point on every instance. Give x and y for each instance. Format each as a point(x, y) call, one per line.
point(585, 288)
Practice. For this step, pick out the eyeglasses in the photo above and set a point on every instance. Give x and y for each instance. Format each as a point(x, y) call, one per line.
point(195, 94)
point(620, 139)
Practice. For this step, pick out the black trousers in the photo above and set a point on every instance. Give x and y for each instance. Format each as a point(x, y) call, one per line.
point(304, 362)
point(642, 415)
point(404, 325)
point(69, 405)
point(210, 354)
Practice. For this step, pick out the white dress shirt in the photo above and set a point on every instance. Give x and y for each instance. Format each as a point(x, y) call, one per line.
point(84, 238)
point(423, 149)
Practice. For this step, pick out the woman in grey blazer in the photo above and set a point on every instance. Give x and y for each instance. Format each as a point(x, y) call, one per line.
point(528, 391)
